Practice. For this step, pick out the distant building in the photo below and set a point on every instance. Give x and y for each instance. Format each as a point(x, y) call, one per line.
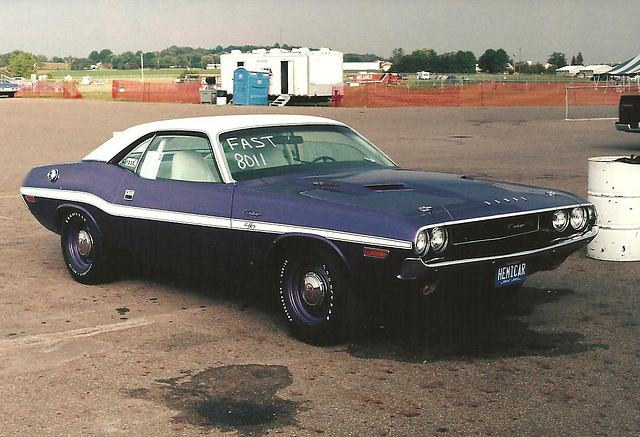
point(592, 70)
point(361, 66)
point(569, 70)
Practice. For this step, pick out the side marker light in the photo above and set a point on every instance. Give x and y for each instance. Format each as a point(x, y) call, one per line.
point(375, 253)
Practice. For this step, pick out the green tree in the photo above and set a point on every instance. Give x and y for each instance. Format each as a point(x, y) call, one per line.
point(558, 60)
point(210, 59)
point(150, 60)
point(579, 60)
point(105, 55)
point(22, 64)
point(80, 63)
point(94, 57)
point(526, 68)
point(126, 61)
point(357, 57)
point(397, 54)
point(421, 59)
point(493, 61)
point(465, 62)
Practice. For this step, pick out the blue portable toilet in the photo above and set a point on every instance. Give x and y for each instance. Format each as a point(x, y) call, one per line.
point(250, 88)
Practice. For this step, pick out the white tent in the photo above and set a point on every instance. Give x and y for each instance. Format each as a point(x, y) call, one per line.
point(569, 70)
point(630, 67)
point(591, 70)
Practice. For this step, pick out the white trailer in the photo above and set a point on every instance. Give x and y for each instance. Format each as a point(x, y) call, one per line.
point(298, 72)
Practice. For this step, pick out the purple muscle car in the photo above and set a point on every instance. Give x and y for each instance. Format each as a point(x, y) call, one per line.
point(306, 207)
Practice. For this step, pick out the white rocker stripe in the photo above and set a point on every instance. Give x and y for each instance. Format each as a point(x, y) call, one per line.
point(209, 221)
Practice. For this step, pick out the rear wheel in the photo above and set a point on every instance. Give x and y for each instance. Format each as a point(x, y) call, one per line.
point(82, 248)
point(315, 295)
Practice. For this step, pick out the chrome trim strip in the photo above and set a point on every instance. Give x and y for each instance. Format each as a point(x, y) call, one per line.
point(513, 214)
point(576, 239)
point(210, 221)
point(277, 228)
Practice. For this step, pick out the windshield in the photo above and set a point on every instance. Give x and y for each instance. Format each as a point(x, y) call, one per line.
point(278, 150)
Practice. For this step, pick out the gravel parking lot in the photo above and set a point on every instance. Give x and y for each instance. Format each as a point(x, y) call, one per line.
point(158, 354)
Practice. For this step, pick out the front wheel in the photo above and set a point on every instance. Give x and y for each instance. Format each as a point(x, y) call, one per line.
point(82, 248)
point(315, 296)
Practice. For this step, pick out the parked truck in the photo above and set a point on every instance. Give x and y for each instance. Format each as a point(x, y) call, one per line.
point(8, 88)
point(629, 114)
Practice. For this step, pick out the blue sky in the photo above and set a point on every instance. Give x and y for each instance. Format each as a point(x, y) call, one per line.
point(534, 28)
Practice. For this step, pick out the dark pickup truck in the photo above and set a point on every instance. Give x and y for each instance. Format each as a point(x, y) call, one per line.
point(629, 114)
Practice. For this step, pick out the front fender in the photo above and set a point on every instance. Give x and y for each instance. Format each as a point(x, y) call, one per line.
point(281, 242)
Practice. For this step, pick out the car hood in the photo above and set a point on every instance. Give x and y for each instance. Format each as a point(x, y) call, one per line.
point(415, 194)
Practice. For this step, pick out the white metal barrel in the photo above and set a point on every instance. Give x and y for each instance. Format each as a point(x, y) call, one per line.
point(614, 188)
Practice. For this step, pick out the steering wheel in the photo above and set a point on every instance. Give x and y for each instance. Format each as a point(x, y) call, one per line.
point(323, 158)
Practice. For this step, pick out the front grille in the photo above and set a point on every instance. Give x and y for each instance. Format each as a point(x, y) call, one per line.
point(501, 236)
point(495, 229)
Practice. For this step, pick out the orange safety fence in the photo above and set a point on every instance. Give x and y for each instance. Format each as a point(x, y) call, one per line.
point(381, 96)
point(155, 92)
point(601, 95)
point(477, 94)
point(66, 90)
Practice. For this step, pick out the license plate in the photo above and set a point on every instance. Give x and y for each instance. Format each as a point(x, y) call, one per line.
point(510, 274)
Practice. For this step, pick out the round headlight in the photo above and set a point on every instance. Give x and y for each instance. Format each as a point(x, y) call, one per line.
point(560, 220)
point(438, 239)
point(422, 242)
point(578, 218)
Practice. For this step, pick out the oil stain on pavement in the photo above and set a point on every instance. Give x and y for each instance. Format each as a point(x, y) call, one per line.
point(240, 397)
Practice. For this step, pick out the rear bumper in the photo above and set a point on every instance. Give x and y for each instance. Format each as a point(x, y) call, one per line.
point(546, 258)
point(626, 127)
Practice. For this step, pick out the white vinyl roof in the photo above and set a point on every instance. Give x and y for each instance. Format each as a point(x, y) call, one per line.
point(212, 126)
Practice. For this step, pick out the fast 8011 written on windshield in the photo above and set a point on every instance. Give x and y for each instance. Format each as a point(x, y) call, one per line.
point(272, 151)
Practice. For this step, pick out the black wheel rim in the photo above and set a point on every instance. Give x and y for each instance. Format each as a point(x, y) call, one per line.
point(79, 242)
point(308, 289)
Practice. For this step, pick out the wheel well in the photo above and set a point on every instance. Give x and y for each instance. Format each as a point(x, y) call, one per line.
point(64, 210)
point(60, 215)
point(285, 244)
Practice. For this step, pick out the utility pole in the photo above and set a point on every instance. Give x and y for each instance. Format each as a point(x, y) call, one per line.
point(519, 62)
point(141, 67)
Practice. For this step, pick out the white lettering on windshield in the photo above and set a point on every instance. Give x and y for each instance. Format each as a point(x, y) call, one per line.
point(250, 143)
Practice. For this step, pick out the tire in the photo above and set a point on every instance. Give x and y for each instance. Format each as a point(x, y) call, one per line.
point(315, 296)
point(82, 248)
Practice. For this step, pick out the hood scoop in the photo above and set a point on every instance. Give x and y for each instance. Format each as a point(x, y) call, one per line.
point(387, 187)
